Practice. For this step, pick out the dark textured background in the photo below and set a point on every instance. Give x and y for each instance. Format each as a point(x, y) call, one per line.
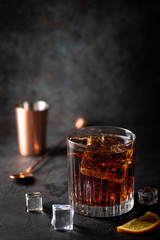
point(96, 59)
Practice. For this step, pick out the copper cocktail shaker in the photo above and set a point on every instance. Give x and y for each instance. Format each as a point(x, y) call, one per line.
point(31, 120)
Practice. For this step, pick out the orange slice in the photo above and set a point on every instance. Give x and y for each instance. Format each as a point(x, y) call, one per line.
point(146, 223)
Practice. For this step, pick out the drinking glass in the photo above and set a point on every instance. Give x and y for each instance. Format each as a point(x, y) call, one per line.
point(101, 164)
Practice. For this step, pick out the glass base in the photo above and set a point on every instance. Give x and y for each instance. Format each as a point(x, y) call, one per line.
point(116, 210)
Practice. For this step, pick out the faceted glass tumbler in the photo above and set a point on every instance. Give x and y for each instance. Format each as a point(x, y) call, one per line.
point(101, 164)
point(62, 217)
point(34, 202)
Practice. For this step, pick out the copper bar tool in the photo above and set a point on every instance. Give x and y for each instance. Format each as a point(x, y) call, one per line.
point(31, 120)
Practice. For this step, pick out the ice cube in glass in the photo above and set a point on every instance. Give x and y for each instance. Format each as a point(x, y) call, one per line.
point(62, 217)
point(34, 202)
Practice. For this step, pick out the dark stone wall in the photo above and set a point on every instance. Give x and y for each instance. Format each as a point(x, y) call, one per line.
point(96, 59)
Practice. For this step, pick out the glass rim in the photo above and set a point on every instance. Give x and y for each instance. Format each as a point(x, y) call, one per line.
point(101, 127)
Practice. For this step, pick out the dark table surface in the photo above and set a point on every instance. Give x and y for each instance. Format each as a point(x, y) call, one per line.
point(51, 180)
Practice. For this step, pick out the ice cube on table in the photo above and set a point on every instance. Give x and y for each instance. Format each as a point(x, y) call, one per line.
point(62, 217)
point(148, 196)
point(34, 202)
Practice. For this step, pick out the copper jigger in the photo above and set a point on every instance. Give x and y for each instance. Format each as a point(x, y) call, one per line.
point(31, 120)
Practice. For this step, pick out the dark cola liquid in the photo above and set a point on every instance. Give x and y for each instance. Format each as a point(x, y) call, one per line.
point(101, 170)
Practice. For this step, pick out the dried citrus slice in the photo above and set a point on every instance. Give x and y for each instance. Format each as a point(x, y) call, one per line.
point(146, 223)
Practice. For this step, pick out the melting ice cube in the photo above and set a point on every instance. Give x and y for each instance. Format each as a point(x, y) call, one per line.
point(62, 217)
point(148, 196)
point(34, 202)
